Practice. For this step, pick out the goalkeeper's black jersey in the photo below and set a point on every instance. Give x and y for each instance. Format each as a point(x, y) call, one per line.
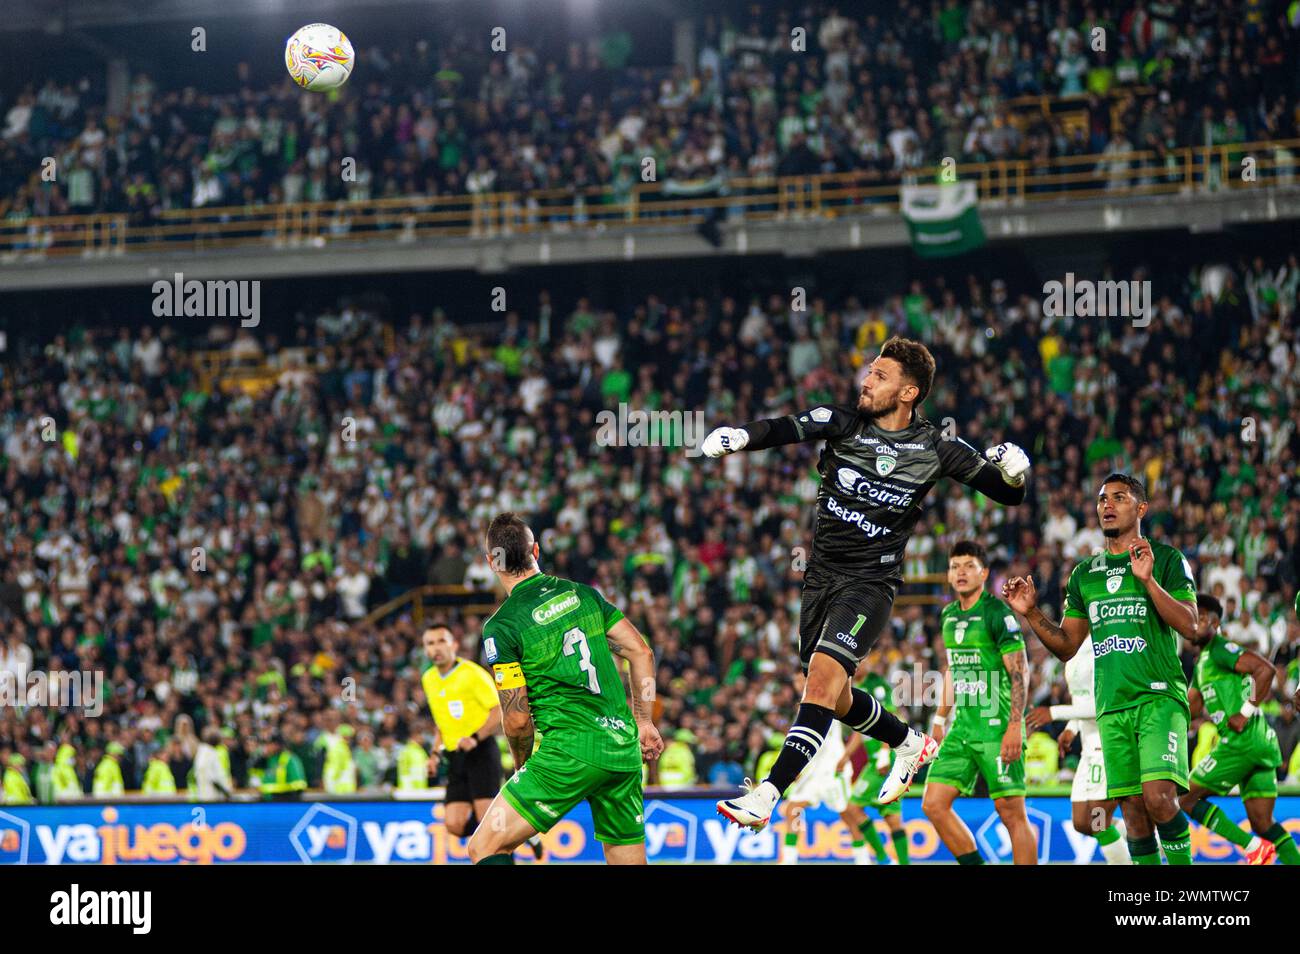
point(873, 483)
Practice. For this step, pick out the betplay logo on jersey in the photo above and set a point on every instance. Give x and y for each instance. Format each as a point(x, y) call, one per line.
point(1118, 644)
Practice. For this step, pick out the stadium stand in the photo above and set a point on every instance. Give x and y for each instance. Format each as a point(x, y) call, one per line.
point(563, 124)
point(328, 547)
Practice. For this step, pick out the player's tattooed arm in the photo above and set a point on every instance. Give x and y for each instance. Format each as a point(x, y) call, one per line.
point(1013, 738)
point(1062, 641)
point(1016, 669)
point(517, 718)
point(626, 641)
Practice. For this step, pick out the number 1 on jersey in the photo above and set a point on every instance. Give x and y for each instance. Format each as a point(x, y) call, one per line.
point(576, 637)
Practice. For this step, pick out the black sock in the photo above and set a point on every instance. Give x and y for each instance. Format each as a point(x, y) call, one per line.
point(801, 744)
point(971, 858)
point(471, 824)
point(869, 717)
point(497, 860)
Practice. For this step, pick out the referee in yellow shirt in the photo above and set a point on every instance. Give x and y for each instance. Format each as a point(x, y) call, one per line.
point(467, 711)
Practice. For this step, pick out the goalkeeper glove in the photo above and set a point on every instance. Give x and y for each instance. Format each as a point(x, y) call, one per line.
point(724, 440)
point(1011, 460)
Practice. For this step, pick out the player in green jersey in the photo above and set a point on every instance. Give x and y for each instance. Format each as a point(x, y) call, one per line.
point(1135, 599)
point(865, 793)
point(552, 646)
point(1229, 683)
point(985, 683)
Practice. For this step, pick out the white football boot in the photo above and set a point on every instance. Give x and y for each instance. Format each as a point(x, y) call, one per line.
point(752, 809)
point(918, 749)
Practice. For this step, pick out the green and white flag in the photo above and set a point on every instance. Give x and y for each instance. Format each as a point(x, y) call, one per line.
point(943, 219)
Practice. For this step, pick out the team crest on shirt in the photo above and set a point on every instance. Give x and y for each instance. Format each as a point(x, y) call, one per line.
point(960, 632)
point(1114, 583)
point(885, 464)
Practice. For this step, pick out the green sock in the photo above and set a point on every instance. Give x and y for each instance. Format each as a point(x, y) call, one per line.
point(497, 860)
point(971, 858)
point(792, 838)
point(1212, 818)
point(1176, 840)
point(1144, 851)
point(1107, 836)
point(900, 846)
point(1284, 843)
point(872, 838)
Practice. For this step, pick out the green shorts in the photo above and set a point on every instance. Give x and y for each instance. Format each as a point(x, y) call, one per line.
point(865, 790)
point(551, 783)
point(962, 761)
point(1144, 743)
point(1246, 763)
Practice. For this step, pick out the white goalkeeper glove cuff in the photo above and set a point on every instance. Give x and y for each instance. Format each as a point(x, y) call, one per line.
point(1011, 460)
point(724, 440)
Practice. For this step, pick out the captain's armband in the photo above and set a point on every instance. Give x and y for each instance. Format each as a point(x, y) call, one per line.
point(508, 675)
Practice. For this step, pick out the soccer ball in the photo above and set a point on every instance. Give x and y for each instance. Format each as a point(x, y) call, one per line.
point(319, 57)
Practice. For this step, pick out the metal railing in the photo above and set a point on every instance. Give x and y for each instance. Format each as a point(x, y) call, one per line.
point(1184, 170)
point(422, 602)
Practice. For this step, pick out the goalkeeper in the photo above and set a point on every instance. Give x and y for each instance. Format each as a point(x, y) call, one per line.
point(879, 460)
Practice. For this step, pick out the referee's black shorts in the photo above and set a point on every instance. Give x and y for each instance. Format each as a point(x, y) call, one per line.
point(474, 774)
point(842, 616)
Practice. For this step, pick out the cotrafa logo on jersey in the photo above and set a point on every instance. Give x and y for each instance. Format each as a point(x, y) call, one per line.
point(556, 607)
point(1119, 644)
point(1103, 610)
point(854, 482)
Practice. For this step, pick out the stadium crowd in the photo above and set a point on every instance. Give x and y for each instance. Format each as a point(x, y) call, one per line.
point(216, 554)
point(445, 116)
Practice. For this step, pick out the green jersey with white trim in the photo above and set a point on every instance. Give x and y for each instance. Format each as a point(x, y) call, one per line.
point(1135, 652)
point(551, 632)
point(1224, 691)
point(976, 640)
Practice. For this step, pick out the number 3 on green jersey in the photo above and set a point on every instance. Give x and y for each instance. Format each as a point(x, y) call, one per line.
point(577, 638)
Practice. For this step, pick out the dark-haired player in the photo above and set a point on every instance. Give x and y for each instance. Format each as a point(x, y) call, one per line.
point(984, 689)
point(1229, 683)
point(879, 461)
point(1136, 598)
point(552, 645)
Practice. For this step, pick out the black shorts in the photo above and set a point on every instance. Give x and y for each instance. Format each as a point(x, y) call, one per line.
point(842, 617)
point(474, 774)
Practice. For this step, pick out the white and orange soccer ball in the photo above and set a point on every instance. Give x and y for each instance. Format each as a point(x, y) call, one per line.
point(319, 57)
